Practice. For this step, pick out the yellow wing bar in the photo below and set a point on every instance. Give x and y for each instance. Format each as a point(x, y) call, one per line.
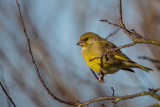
point(120, 57)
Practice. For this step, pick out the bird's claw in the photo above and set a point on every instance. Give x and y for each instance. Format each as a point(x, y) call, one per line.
point(101, 79)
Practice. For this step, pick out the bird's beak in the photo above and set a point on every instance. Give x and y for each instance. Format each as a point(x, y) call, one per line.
point(81, 43)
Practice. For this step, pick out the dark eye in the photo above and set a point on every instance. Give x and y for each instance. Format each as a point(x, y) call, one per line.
point(85, 39)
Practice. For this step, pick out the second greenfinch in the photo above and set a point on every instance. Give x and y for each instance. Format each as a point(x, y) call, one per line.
point(94, 46)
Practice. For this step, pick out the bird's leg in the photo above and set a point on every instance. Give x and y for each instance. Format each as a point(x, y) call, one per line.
point(101, 78)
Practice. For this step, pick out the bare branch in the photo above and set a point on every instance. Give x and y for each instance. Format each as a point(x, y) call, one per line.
point(35, 65)
point(118, 98)
point(136, 38)
point(105, 20)
point(136, 34)
point(114, 103)
point(7, 95)
point(121, 21)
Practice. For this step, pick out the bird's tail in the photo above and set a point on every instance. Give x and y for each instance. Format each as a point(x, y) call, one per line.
point(132, 64)
point(142, 67)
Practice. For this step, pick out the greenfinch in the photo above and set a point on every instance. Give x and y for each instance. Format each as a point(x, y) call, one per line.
point(93, 49)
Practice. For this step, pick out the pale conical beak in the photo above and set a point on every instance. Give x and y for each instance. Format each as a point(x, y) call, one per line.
point(81, 43)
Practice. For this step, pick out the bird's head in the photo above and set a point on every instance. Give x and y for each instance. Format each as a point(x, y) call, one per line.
point(88, 38)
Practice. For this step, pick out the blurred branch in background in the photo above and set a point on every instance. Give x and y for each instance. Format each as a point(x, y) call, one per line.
point(149, 24)
point(7, 95)
point(35, 65)
point(113, 33)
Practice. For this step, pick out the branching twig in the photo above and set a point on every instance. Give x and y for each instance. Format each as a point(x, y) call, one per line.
point(118, 98)
point(113, 96)
point(136, 34)
point(7, 95)
point(136, 38)
point(105, 20)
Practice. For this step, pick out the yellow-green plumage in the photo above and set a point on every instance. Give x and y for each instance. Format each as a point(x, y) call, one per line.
point(94, 46)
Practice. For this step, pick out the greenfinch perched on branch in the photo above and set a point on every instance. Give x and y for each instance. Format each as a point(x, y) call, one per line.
point(93, 46)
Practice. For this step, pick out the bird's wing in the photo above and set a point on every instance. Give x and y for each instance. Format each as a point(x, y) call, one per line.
point(100, 47)
point(117, 54)
point(121, 56)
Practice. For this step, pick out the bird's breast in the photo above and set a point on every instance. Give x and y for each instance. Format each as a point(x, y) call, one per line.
point(89, 55)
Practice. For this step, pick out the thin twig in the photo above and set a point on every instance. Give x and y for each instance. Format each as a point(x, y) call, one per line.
point(113, 49)
point(121, 21)
point(136, 34)
point(154, 90)
point(120, 47)
point(105, 20)
point(114, 102)
point(94, 74)
point(112, 91)
point(35, 65)
point(7, 95)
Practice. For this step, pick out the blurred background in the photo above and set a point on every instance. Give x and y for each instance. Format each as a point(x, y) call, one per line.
point(54, 28)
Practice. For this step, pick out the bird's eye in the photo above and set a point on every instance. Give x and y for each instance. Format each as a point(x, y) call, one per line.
point(85, 39)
